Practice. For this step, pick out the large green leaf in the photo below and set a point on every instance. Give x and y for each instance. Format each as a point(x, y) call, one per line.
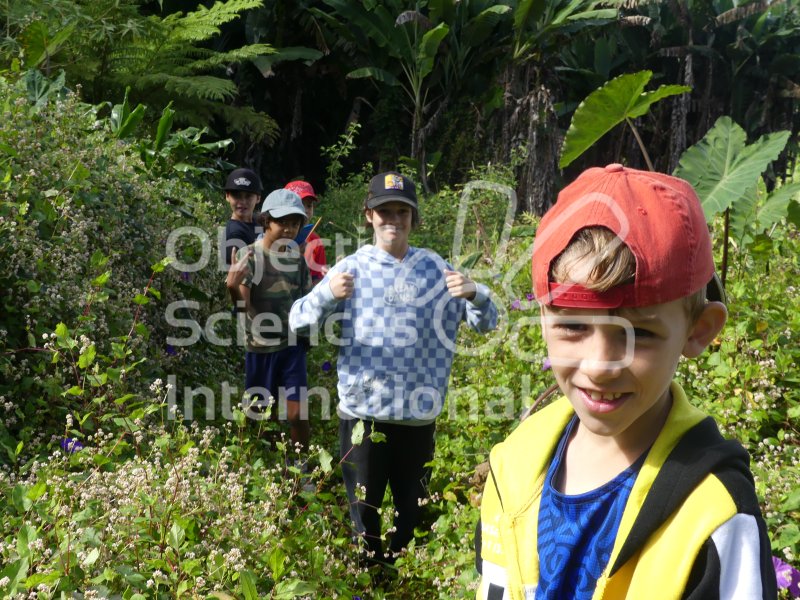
point(442, 10)
point(619, 99)
point(377, 25)
point(481, 26)
point(722, 168)
point(292, 588)
point(744, 215)
point(247, 584)
point(131, 122)
point(647, 99)
point(602, 14)
point(40, 45)
point(527, 11)
point(266, 62)
point(776, 206)
point(40, 88)
point(428, 47)
point(164, 126)
point(375, 73)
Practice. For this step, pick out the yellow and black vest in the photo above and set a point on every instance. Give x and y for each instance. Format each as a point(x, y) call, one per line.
point(691, 528)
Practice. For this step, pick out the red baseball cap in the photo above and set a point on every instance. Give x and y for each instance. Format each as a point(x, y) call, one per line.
point(302, 189)
point(657, 216)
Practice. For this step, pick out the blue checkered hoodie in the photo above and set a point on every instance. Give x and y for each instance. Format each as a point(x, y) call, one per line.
point(398, 332)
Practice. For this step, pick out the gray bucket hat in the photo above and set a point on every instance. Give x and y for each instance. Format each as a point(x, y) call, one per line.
point(282, 203)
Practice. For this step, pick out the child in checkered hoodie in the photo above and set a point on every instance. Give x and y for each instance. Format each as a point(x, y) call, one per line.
point(400, 308)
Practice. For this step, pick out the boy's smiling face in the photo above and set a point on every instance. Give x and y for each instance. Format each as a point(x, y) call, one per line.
point(618, 393)
point(281, 231)
point(392, 223)
point(242, 205)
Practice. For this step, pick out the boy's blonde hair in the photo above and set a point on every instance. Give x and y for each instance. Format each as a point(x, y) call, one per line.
point(613, 265)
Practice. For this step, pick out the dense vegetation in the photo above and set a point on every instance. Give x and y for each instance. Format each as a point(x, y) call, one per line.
point(439, 85)
point(107, 493)
point(127, 465)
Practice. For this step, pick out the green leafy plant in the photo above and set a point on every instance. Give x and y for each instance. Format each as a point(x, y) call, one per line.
point(725, 170)
point(409, 42)
point(110, 46)
point(621, 99)
point(109, 490)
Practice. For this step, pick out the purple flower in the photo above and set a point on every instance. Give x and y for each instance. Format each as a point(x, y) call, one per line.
point(546, 364)
point(516, 305)
point(326, 366)
point(70, 445)
point(788, 577)
point(356, 597)
point(186, 276)
point(530, 297)
point(171, 350)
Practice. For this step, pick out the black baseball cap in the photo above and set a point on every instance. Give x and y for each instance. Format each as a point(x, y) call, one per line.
point(391, 187)
point(243, 180)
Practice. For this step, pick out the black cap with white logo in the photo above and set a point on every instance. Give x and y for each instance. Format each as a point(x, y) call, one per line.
point(243, 180)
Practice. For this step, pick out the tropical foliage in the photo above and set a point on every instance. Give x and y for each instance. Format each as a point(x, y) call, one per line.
point(108, 46)
point(438, 86)
point(128, 464)
point(126, 470)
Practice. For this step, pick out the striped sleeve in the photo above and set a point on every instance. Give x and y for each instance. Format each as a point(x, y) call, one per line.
point(732, 567)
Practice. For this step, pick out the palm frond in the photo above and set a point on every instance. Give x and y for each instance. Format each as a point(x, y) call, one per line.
point(635, 21)
point(742, 12)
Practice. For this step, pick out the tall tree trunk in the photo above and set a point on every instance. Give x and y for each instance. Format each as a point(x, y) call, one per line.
point(529, 120)
point(680, 112)
point(539, 173)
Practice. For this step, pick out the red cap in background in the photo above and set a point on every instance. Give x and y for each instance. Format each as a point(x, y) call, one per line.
point(302, 189)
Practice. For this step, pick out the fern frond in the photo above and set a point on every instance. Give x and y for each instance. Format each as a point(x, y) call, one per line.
point(234, 56)
point(204, 23)
point(205, 87)
point(258, 126)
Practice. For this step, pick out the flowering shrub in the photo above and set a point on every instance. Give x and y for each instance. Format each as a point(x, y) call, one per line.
point(82, 231)
point(152, 510)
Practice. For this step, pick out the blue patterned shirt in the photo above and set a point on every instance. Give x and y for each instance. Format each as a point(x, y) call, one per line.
point(398, 332)
point(576, 533)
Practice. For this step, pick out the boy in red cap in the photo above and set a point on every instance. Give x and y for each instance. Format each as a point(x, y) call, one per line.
point(314, 249)
point(622, 488)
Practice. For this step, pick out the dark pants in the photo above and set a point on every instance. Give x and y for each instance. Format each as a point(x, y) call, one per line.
point(400, 462)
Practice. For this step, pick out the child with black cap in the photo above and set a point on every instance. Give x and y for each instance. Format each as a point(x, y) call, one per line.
point(242, 193)
point(400, 311)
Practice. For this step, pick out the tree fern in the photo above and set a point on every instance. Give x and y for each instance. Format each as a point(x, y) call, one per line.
point(162, 59)
point(204, 87)
point(217, 59)
point(203, 23)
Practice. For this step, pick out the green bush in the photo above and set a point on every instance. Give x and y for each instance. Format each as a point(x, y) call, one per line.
point(84, 228)
point(108, 491)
